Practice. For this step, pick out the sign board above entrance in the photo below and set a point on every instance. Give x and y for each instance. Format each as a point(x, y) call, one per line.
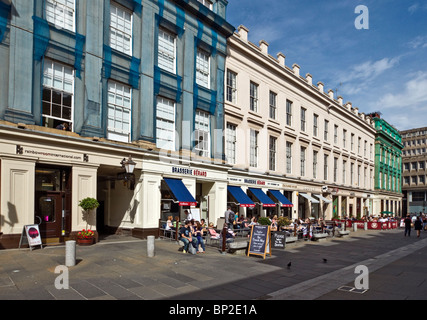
point(190, 172)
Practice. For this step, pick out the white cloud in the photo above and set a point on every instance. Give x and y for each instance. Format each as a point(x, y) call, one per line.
point(414, 95)
point(371, 69)
point(413, 8)
point(418, 42)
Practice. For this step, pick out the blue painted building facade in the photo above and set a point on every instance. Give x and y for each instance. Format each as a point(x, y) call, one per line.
point(103, 79)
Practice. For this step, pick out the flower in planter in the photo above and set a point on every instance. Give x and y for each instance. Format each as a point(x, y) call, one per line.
point(85, 234)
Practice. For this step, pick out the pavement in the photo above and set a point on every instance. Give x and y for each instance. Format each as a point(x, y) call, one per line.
point(118, 268)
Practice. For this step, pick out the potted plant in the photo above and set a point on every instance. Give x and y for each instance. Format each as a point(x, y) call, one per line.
point(264, 221)
point(283, 222)
point(85, 237)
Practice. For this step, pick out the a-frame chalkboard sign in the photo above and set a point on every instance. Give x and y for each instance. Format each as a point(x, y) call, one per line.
point(260, 241)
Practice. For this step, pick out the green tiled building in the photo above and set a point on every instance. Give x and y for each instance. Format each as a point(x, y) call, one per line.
point(388, 167)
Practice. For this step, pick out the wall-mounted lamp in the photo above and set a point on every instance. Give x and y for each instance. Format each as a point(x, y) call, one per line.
point(128, 165)
point(128, 176)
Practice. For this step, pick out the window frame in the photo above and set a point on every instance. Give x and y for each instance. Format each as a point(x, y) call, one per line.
point(113, 129)
point(55, 14)
point(114, 45)
point(45, 86)
point(203, 68)
point(164, 55)
point(172, 142)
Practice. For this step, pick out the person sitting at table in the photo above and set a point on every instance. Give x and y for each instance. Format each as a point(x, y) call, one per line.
point(198, 233)
point(273, 226)
point(186, 237)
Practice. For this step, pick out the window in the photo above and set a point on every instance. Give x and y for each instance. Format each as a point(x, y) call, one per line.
point(231, 143)
point(326, 130)
point(302, 161)
point(315, 124)
point(325, 167)
point(288, 113)
point(365, 177)
point(406, 166)
point(371, 148)
point(272, 160)
point(406, 179)
point(335, 169)
point(167, 51)
point(253, 97)
point(421, 179)
point(253, 156)
point(231, 86)
point(421, 165)
point(202, 133)
point(61, 13)
point(344, 138)
point(352, 173)
point(414, 179)
point(58, 94)
point(202, 68)
point(206, 3)
point(414, 166)
point(359, 141)
point(365, 147)
point(303, 119)
point(344, 171)
point(370, 178)
point(165, 124)
point(352, 142)
point(273, 98)
point(121, 29)
point(119, 111)
point(315, 164)
point(335, 134)
point(288, 157)
point(358, 176)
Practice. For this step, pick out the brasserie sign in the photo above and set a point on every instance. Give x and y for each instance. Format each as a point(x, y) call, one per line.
point(190, 172)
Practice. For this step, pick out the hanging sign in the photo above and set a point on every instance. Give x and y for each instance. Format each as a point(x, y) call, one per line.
point(32, 236)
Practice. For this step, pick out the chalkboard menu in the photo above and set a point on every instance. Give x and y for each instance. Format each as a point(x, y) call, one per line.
point(260, 242)
point(279, 239)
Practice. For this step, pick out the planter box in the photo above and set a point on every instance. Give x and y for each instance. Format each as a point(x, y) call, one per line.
point(319, 236)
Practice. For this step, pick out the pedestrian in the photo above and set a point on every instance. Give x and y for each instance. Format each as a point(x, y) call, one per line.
point(229, 217)
point(407, 223)
point(418, 226)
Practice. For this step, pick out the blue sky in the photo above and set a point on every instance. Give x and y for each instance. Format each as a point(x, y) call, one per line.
point(383, 68)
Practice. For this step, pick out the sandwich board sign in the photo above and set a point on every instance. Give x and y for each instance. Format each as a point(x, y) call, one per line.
point(260, 241)
point(31, 234)
point(279, 240)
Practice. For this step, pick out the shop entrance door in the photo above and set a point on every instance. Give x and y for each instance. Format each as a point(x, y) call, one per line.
point(53, 203)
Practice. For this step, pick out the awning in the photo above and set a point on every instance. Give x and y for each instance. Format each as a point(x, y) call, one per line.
point(281, 198)
point(323, 198)
point(242, 198)
point(181, 193)
point(309, 198)
point(262, 197)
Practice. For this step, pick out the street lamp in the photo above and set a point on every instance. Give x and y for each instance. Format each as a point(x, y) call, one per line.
point(128, 176)
point(128, 165)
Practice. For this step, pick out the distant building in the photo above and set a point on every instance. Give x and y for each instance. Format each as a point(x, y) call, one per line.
point(414, 157)
point(388, 164)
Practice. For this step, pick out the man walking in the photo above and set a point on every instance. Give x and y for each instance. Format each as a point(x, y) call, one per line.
point(407, 223)
point(229, 217)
